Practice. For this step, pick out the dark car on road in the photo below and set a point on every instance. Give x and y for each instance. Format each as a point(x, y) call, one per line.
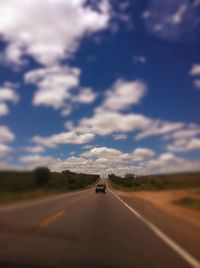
point(100, 188)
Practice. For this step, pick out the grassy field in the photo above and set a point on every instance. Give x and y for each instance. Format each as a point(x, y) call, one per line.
point(23, 185)
point(189, 202)
point(156, 182)
point(9, 197)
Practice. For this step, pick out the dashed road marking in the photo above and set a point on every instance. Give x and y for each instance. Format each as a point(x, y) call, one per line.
point(52, 218)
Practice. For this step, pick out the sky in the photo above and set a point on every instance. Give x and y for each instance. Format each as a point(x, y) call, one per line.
point(100, 86)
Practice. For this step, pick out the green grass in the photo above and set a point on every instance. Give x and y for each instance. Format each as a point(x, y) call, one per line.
point(156, 182)
point(11, 197)
point(22, 185)
point(189, 202)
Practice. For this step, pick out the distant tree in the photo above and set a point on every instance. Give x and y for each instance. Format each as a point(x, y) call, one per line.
point(42, 176)
point(67, 171)
point(129, 176)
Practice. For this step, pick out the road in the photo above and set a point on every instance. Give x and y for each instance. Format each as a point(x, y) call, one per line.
point(84, 229)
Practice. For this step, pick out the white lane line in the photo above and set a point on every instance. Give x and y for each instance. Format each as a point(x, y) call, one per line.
point(172, 244)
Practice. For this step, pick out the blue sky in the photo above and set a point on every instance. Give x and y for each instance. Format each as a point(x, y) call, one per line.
point(100, 86)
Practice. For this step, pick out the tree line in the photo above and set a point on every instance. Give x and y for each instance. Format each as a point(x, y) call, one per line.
point(42, 177)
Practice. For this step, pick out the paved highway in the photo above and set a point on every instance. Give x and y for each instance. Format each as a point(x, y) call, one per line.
point(84, 229)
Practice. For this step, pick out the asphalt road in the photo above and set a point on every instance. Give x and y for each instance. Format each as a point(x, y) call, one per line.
point(84, 229)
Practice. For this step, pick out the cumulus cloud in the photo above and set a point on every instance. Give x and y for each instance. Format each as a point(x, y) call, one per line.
point(197, 83)
point(105, 160)
point(48, 31)
point(6, 135)
point(188, 131)
point(4, 149)
point(63, 138)
point(3, 109)
point(34, 149)
point(123, 94)
point(33, 161)
point(168, 162)
point(185, 145)
point(108, 119)
point(54, 84)
point(111, 155)
point(141, 154)
point(56, 88)
point(139, 59)
point(173, 20)
point(119, 136)
point(105, 123)
point(185, 139)
point(86, 95)
point(158, 127)
point(7, 94)
point(195, 71)
point(102, 152)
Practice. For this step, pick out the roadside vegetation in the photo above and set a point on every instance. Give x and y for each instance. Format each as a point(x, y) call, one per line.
point(23, 185)
point(189, 202)
point(132, 182)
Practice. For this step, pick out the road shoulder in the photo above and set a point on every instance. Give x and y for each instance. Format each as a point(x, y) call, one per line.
point(182, 231)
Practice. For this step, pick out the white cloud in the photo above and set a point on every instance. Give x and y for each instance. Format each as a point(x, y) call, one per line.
point(7, 94)
point(185, 139)
point(185, 145)
point(172, 20)
point(87, 146)
point(4, 149)
point(188, 131)
point(195, 70)
point(139, 59)
point(104, 160)
point(168, 162)
point(141, 154)
point(197, 83)
point(177, 17)
point(158, 127)
point(57, 86)
point(109, 156)
point(6, 135)
point(105, 123)
point(3, 109)
point(63, 138)
point(102, 152)
point(48, 30)
point(124, 94)
point(105, 165)
point(33, 161)
point(146, 14)
point(54, 85)
point(34, 149)
point(67, 111)
point(119, 136)
point(86, 95)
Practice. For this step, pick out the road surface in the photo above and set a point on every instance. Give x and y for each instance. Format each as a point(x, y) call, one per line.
point(84, 229)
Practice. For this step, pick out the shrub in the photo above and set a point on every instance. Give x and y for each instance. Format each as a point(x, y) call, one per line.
point(42, 176)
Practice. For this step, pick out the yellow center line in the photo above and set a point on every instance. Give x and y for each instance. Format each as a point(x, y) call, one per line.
point(52, 218)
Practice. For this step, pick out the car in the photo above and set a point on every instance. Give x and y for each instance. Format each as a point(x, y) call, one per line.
point(100, 188)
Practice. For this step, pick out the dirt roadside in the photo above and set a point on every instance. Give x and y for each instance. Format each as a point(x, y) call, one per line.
point(165, 200)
